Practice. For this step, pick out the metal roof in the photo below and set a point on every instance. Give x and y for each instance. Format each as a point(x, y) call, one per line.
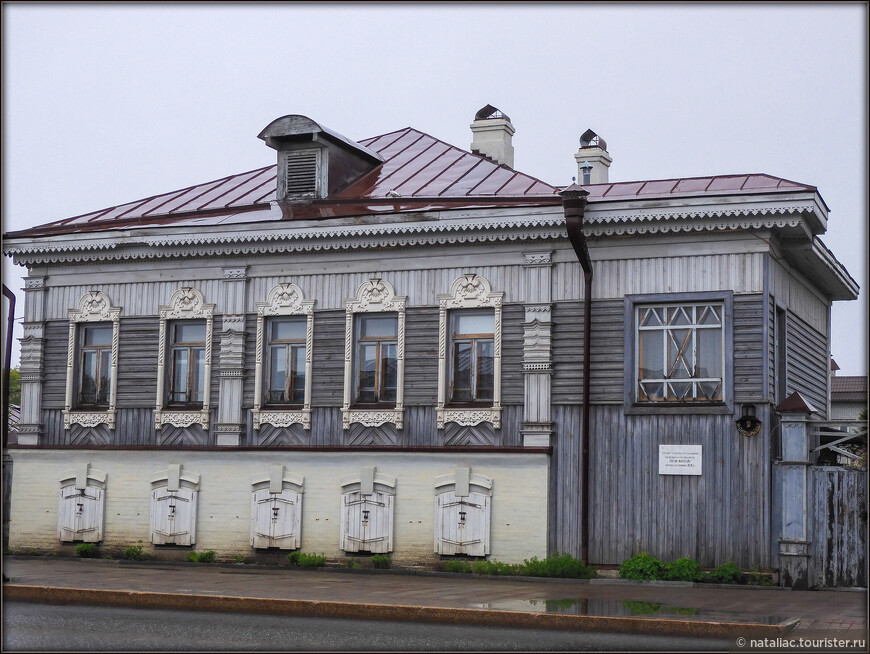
point(849, 389)
point(418, 173)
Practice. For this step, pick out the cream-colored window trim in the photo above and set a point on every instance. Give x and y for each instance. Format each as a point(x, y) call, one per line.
point(469, 291)
point(375, 295)
point(185, 304)
point(283, 300)
point(94, 306)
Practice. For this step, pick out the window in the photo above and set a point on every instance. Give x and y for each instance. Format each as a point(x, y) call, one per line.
point(95, 365)
point(374, 356)
point(679, 353)
point(472, 358)
point(92, 362)
point(469, 353)
point(286, 380)
point(184, 360)
point(376, 360)
point(187, 362)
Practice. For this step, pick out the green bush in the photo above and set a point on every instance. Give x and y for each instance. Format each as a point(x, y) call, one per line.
point(727, 573)
point(201, 557)
point(135, 553)
point(557, 565)
point(86, 550)
point(299, 559)
point(457, 566)
point(351, 563)
point(684, 569)
point(381, 561)
point(496, 568)
point(641, 567)
point(239, 558)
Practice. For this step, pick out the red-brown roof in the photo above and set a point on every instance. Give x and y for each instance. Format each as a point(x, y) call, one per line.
point(849, 389)
point(419, 173)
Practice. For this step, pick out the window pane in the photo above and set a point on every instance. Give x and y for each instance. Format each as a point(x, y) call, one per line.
point(389, 373)
point(288, 329)
point(462, 372)
point(485, 370)
point(278, 372)
point(298, 382)
point(366, 381)
point(89, 378)
point(475, 323)
point(189, 332)
point(95, 335)
point(378, 326)
point(180, 369)
point(709, 353)
point(680, 362)
point(650, 355)
point(198, 375)
point(103, 392)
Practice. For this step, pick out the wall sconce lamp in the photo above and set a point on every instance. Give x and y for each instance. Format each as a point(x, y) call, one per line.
point(748, 424)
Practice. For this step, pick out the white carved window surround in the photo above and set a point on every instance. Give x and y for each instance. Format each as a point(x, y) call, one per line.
point(94, 307)
point(185, 304)
point(469, 291)
point(374, 295)
point(283, 300)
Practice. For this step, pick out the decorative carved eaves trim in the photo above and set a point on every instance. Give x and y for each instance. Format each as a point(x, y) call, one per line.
point(284, 299)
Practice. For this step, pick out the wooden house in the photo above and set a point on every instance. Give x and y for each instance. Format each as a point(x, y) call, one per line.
point(396, 345)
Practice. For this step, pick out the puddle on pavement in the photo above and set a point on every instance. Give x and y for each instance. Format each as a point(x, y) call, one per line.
point(625, 608)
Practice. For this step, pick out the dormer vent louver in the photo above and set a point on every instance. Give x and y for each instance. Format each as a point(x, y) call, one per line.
point(300, 169)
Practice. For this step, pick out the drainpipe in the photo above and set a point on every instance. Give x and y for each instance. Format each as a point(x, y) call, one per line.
point(574, 206)
point(7, 361)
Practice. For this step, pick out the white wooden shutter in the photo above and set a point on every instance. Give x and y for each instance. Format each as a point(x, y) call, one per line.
point(276, 519)
point(366, 522)
point(462, 524)
point(173, 516)
point(80, 514)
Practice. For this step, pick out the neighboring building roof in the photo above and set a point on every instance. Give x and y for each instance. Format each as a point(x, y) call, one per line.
point(418, 173)
point(849, 389)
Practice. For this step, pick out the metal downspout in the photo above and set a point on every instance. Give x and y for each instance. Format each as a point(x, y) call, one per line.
point(574, 206)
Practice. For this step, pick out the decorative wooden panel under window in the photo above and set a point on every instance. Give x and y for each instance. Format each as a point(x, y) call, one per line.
point(276, 510)
point(463, 504)
point(367, 512)
point(173, 506)
point(81, 507)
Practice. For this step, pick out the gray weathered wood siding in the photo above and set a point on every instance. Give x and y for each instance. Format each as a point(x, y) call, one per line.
point(138, 340)
point(807, 363)
point(54, 353)
point(749, 367)
point(839, 527)
point(421, 356)
point(716, 517)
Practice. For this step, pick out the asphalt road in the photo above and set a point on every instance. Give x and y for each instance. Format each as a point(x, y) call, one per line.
point(43, 627)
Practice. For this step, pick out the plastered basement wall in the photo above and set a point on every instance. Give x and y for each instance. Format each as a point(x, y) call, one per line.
point(519, 505)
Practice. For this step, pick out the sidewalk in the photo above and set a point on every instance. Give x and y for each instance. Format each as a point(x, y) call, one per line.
point(598, 605)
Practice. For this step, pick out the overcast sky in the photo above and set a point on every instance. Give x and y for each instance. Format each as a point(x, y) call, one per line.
point(105, 104)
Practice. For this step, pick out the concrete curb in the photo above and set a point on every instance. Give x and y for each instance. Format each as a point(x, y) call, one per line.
point(348, 610)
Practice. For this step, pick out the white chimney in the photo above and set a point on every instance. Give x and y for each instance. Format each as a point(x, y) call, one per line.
point(593, 161)
point(491, 135)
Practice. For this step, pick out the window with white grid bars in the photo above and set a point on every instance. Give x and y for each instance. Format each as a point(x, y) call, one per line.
point(679, 353)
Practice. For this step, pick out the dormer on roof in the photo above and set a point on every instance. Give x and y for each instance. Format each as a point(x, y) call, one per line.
point(313, 161)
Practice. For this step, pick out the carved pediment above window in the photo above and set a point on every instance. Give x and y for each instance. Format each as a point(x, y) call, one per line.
point(376, 295)
point(470, 291)
point(94, 306)
point(186, 302)
point(285, 299)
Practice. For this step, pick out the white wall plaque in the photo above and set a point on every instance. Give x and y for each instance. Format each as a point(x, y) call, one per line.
point(679, 459)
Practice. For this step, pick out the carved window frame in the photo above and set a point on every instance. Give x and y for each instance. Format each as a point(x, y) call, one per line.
point(284, 299)
point(373, 296)
point(95, 306)
point(469, 291)
point(186, 303)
